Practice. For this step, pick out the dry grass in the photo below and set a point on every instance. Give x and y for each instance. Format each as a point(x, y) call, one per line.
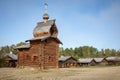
point(96, 73)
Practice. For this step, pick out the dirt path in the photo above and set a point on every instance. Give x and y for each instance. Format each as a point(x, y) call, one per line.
point(99, 73)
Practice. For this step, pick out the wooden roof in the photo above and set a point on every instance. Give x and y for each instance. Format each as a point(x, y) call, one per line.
point(85, 60)
point(99, 59)
point(113, 58)
point(37, 38)
point(44, 38)
point(64, 58)
point(23, 46)
point(44, 29)
point(12, 56)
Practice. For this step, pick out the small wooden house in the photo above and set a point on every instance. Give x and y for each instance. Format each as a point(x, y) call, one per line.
point(101, 61)
point(67, 61)
point(86, 62)
point(113, 60)
point(42, 50)
point(10, 60)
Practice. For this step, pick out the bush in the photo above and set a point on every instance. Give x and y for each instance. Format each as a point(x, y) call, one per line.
point(2, 62)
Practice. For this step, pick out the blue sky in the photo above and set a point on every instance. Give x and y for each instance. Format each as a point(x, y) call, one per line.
point(80, 22)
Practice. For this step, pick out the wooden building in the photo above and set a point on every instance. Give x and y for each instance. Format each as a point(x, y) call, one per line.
point(10, 60)
point(42, 50)
point(101, 61)
point(67, 61)
point(86, 62)
point(113, 60)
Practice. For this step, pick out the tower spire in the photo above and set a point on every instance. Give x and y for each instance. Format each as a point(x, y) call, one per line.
point(45, 15)
point(46, 6)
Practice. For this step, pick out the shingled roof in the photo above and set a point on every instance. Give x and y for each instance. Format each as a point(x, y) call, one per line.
point(64, 58)
point(37, 38)
point(98, 59)
point(113, 58)
point(23, 46)
point(44, 38)
point(13, 56)
point(85, 60)
point(43, 29)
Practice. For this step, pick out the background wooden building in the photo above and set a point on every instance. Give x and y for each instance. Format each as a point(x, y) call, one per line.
point(86, 62)
point(42, 50)
point(10, 60)
point(101, 61)
point(67, 61)
point(113, 60)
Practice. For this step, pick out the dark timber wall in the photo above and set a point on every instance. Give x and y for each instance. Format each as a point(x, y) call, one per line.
point(40, 54)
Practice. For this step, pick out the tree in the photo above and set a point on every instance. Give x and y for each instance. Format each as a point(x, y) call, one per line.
point(85, 51)
point(113, 52)
point(5, 49)
point(103, 52)
point(93, 51)
point(118, 53)
point(71, 52)
point(2, 60)
point(61, 51)
point(107, 52)
point(78, 52)
point(20, 44)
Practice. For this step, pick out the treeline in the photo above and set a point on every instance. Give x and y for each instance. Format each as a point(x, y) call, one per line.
point(87, 52)
point(8, 49)
point(78, 52)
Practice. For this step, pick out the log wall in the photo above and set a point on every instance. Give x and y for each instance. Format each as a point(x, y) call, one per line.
point(41, 54)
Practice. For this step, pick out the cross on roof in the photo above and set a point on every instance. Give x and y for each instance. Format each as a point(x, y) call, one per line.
point(46, 6)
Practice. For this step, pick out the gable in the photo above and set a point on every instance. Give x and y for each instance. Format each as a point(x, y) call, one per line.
point(8, 58)
point(85, 60)
point(67, 58)
point(98, 59)
point(71, 59)
point(93, 61)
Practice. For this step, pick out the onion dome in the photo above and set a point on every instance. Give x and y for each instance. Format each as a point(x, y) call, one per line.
point(44, 29)
point(47, 28)
point(45, 16)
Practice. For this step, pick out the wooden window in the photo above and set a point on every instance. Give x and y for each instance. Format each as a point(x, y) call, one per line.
point(28, 57)
point(35, 58)
point(51, 59)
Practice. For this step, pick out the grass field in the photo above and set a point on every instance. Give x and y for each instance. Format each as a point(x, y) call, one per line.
point(86, 73)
